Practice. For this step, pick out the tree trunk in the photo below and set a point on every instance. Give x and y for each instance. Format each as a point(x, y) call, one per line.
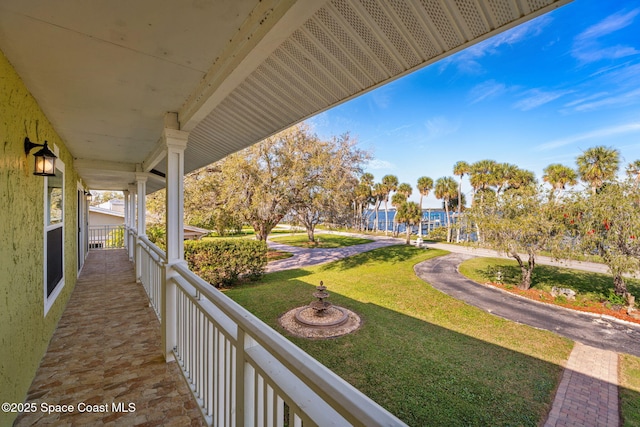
point(386, 218)
point(525, 283)
point(525, 270)
point(375, 226)
point(355, 215)
point(310, 235)
point(261, 230)
point(446, 210)
point(408, 235)
point(619, 286)
point(478, 235)
point(458, 219)
point(420, 223)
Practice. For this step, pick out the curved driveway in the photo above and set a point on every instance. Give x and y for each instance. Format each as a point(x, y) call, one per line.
point(306, 257)
point(442, 273)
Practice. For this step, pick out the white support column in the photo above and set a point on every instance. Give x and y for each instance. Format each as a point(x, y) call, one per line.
point(132, 218)
point(127, 221)
point(176, 142)
point(141, 181)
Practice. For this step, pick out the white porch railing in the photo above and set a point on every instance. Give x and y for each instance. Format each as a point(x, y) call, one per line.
point(241, 371)
point(106, 236)
point(132, 238)
point(152, 262)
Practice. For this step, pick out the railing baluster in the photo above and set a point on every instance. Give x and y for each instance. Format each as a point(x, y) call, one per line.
point(259, 400)
point(240, 371)
point(279, 411)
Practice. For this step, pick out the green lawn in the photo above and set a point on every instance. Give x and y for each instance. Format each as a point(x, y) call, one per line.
point(273, 255)
point(590, 287)
point(426, 357)
point(322, 241)
point(630, 390)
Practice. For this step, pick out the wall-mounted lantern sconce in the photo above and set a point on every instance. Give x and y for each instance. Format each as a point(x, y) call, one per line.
point(45, 160)
point(88, 196)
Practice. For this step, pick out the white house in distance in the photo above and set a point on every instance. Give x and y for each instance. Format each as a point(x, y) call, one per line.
point(99, 215)
point(108, 216)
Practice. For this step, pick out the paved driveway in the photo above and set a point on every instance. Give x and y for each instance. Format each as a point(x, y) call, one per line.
point(306, 257)
point(442, 273)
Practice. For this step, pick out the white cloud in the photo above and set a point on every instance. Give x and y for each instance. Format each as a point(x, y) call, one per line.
point(586, 99)
point(382, 97)
point(598, 133)
point(399, 128)
point(466, 61)
point(440, 126)
point(486, 90)
point(377, 164)
point(534, 98)
point(625, 98)
point(587, 47)
point(608, 25)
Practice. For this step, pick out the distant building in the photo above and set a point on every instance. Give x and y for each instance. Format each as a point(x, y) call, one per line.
point(102, 216)
point(113, 205)
point(99, 215)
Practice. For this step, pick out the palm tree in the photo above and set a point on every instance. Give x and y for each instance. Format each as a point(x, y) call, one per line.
point(633, 170)
point(396, 201)
point(379, 194)
point(409, 213)
point(559, 176)
point(521, 178)
point(460, 169)
point(502, 175)
point(481, 175)
point(425, 185)
point(453, 203)
point(598, 165)
point(390, 183)
point(405, 189)
point(363, 196)
point(446, 189)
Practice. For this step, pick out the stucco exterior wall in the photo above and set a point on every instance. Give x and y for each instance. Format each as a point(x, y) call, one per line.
point(24, 329)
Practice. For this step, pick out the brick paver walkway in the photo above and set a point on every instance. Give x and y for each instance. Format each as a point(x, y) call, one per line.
point(105, 350)
point(588, 392)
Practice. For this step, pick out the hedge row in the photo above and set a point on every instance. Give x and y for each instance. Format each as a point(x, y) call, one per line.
point(222, 261)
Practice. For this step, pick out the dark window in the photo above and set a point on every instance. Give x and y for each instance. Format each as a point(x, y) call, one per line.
point(54, 258)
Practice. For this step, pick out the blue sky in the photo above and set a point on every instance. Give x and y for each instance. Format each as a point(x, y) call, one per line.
point(538, 94)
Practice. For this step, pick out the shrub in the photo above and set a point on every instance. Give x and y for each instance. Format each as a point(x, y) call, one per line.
point(222, 261)
point(157, 235)
point(616, 300)
point(115, 239)
point(438, 234)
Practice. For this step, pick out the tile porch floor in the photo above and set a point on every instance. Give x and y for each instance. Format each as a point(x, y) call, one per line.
point(106, 349)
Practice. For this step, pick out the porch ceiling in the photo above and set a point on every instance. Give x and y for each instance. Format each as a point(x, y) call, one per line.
point(106, 71)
